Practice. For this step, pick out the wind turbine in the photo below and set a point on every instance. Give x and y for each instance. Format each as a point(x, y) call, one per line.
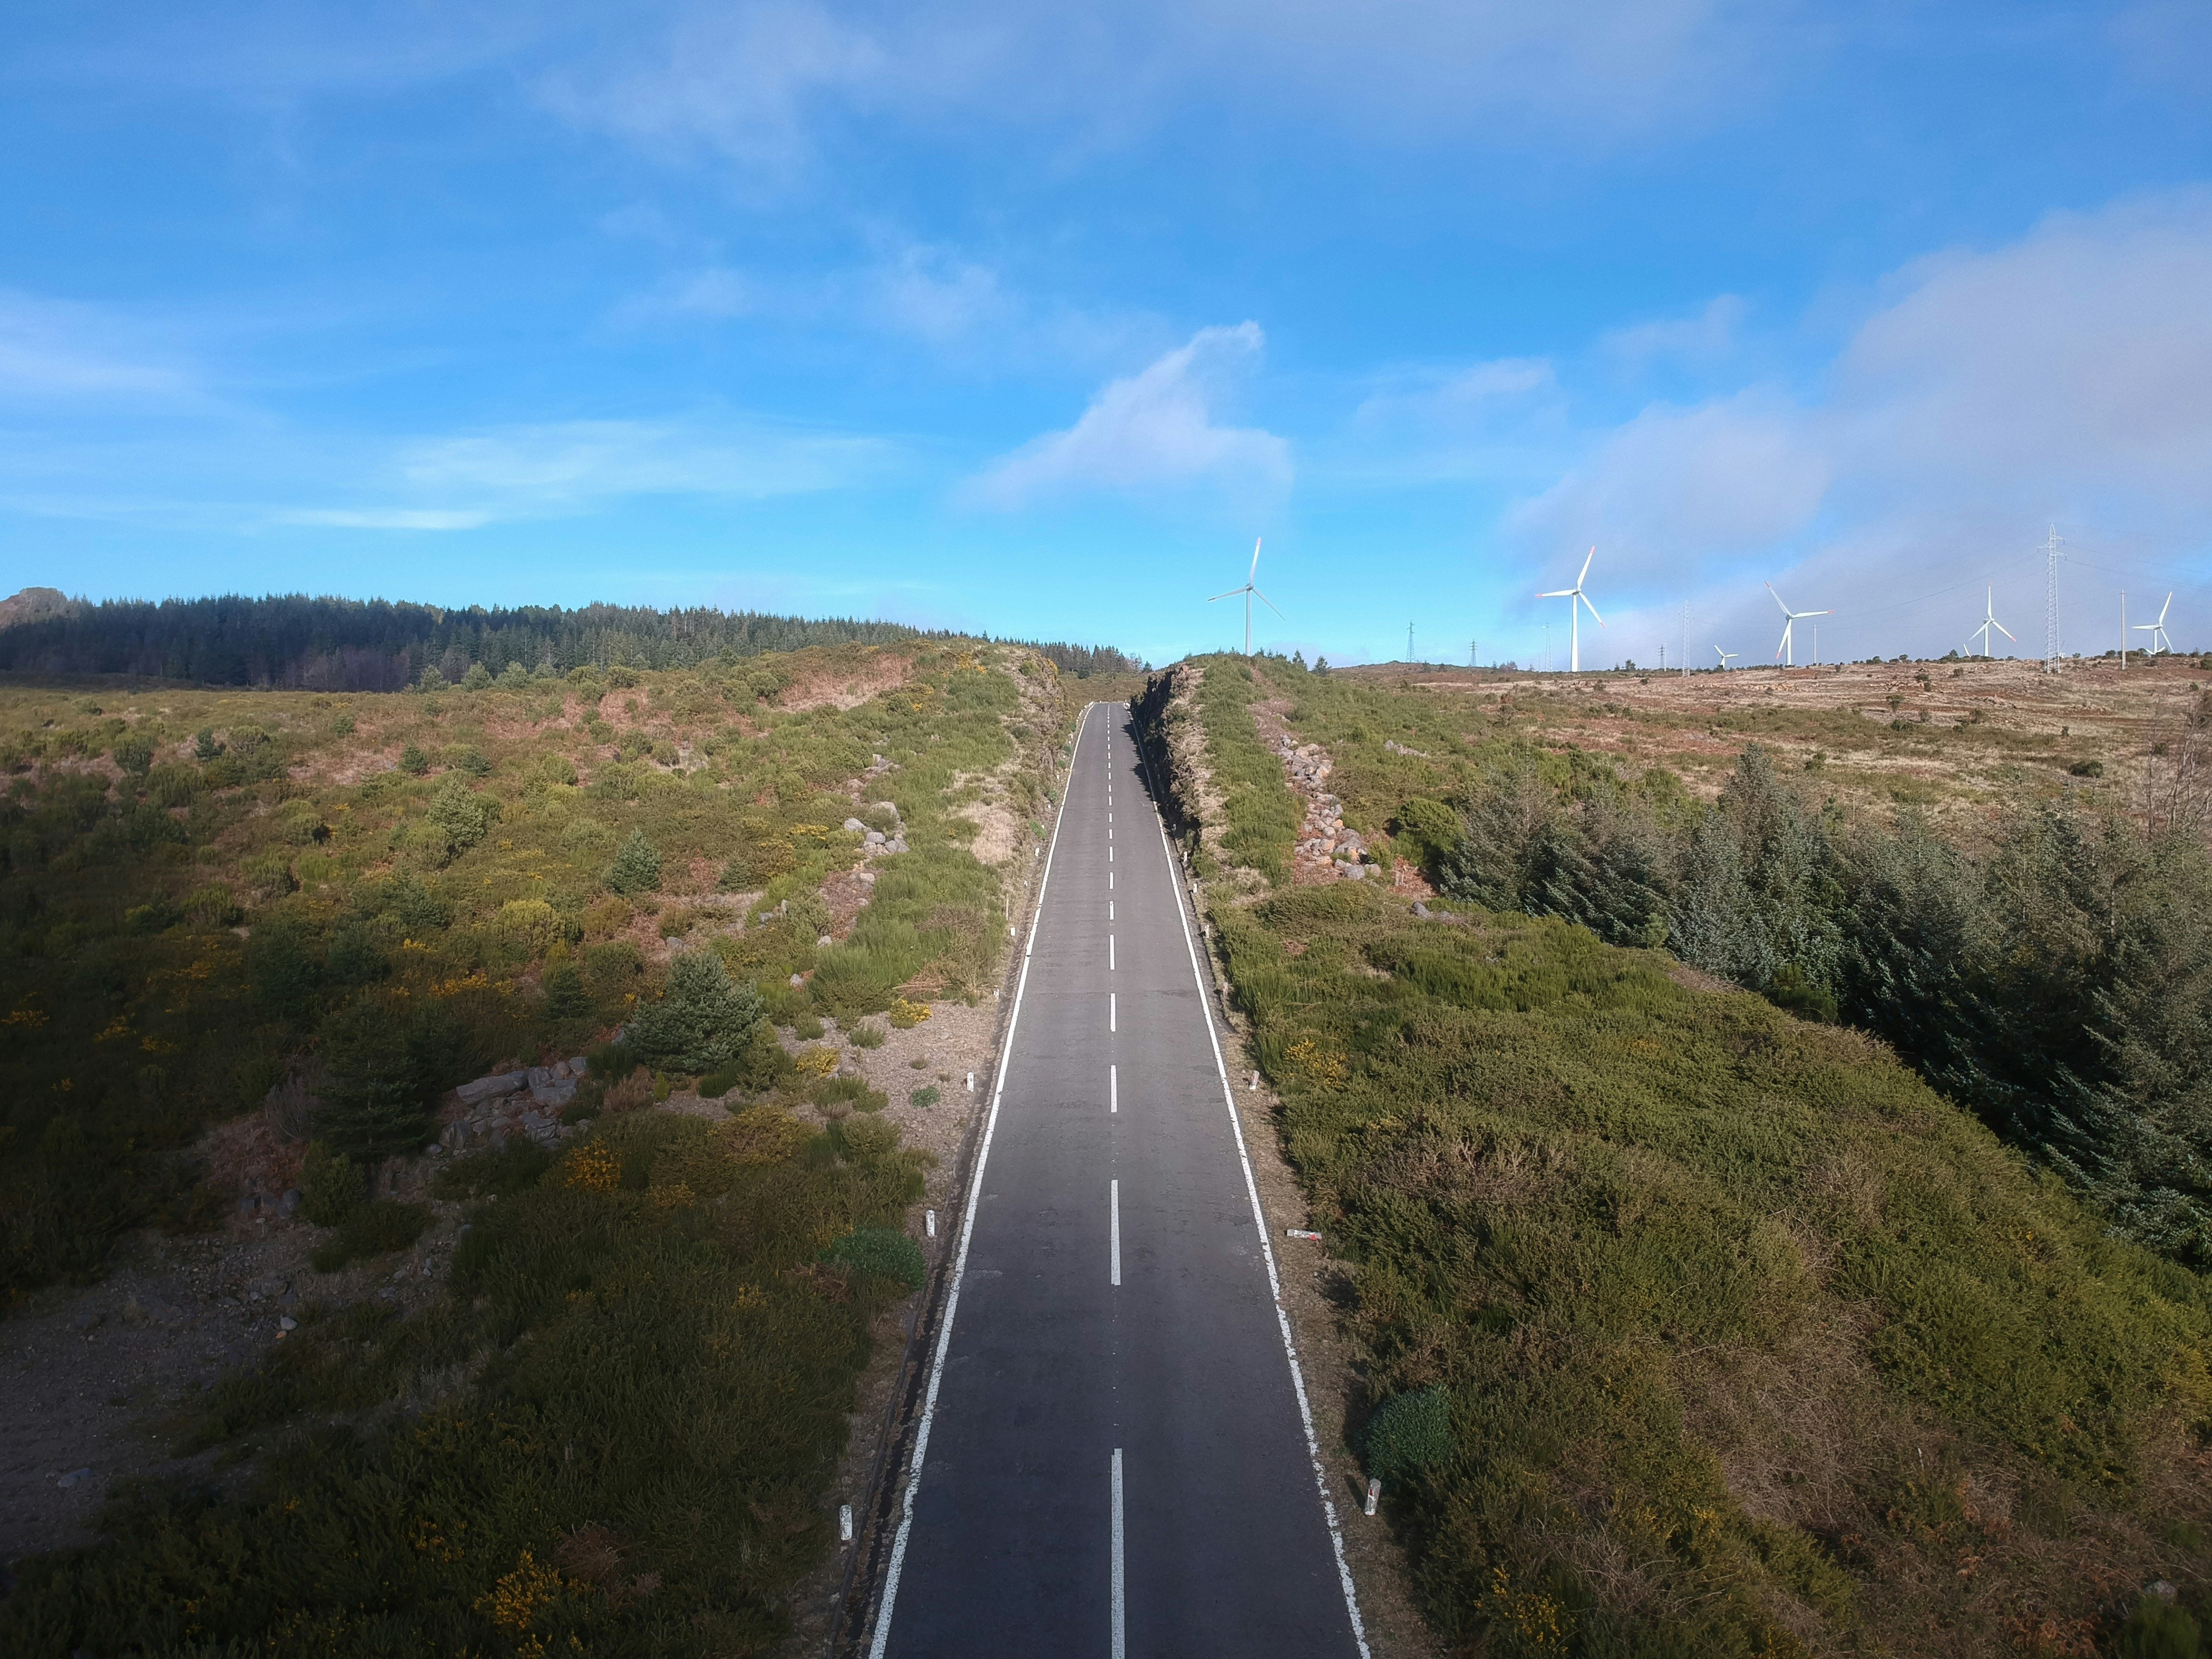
point(1572, 596)
point(1726, 657)
point(2157, 629)
point(1251, 587)
point(1790, 619)
point(1988, 621)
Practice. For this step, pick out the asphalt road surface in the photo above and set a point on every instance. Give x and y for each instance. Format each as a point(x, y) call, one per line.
point(1114, 1457)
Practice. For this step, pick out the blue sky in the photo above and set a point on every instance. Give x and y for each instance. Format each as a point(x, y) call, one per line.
point(1030, 319)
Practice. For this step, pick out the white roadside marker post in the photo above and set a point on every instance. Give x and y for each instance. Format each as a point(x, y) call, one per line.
point(929, 1222)
point(844, 1523)
point(1374, 1493)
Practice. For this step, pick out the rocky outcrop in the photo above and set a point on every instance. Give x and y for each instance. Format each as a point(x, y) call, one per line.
point(505, 1104)
point(36, 605)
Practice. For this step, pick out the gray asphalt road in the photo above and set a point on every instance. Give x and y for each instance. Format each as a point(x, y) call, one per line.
point(1116, 1460)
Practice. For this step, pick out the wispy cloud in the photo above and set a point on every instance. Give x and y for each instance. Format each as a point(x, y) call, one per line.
point(1154, 429)
point(55, 351)
point(1697, 341)
point(464, 481)
point(737, 82)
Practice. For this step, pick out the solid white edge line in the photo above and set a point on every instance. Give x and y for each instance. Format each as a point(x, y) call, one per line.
point(1266, 1248)
point(1120, 1622)
point(1113, 1231)
point(883, 1635)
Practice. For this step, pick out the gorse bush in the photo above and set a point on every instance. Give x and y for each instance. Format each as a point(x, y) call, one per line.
point(1408, 1433)
point(884, 1253)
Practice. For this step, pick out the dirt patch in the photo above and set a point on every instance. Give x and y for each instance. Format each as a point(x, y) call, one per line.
point(100, 1377)
point(846, 683)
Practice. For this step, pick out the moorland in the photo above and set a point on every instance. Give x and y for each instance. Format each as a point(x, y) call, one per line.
point(1759, 1132)
point(251, 938)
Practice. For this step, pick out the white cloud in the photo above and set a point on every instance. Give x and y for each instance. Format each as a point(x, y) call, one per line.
point(1699, 340)
point(1155, 429)
point(2065, 376)
point(1678, 488)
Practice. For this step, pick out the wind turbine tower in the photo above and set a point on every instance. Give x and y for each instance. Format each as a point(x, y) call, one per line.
point(1787, 650)
point(1576, 598)
point(1251, 587)
point(2051, 546)
point(1988, 621)
point(2157, 629)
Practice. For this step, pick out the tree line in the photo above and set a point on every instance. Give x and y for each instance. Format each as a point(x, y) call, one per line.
point(295, 643)
point(2056, 979)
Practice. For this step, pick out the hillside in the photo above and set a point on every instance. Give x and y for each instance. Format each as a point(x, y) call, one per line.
point(584, 1367)
point(1680, 1323)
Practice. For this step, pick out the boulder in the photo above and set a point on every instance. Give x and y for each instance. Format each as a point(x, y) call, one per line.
point(554, 1092)
point(288, 1206)
point(491, 1088)
point(856, 826)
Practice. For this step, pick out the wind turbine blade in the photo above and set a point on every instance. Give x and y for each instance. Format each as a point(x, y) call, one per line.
point(1777, 597)
point(1783, 644)
point(1230, 594)
point(1586, 565)
point(1271, 605)
point(1252, 575)
point(1595, 617)
point(2163, 609)
point(1816, 613)
point(1563, 593)
point(2003, 629)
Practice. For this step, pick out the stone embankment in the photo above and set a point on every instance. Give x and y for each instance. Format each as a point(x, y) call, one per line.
point(1325, 846)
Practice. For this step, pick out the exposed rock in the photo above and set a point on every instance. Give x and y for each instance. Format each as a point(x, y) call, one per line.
point(489, 1088)
point(75, 1477)
point(34, 604)
point(856, 826)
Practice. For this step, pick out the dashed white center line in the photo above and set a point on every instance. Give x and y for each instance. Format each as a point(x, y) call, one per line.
point(1110, 1011)
point(1109, 953)
point(1120, 1634)
point(1113, 1093)
point(1114, 1227)
point(1110, 909)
